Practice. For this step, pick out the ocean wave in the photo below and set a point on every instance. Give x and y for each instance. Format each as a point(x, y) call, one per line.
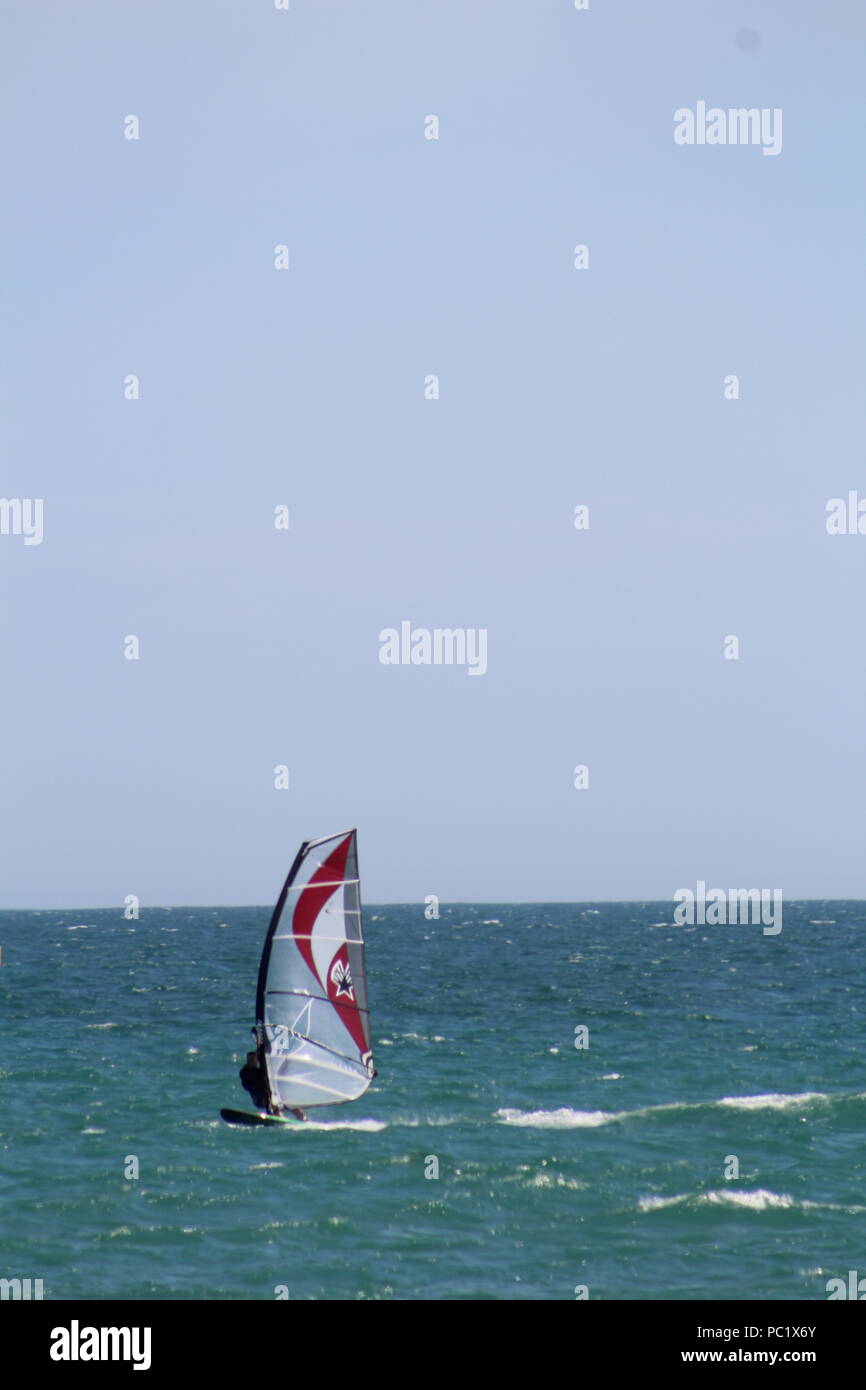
point(759, 1200)
point(415, 1121)
point(566, 1118)
point(368, 1126)
point(778, 1101)
point(556, 1180)
point(557, 1119)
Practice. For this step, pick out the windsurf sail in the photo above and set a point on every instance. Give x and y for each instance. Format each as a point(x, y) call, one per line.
point(312, 1020)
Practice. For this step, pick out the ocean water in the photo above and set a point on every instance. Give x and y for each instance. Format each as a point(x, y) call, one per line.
point(557, 1168)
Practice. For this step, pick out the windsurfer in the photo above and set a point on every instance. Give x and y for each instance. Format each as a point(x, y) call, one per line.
point(252, 1080)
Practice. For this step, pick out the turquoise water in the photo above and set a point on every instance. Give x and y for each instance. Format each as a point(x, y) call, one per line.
point(557, 1167)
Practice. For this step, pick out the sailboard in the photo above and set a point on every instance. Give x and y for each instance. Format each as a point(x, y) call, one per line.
point(312, 1018)
point(241, 1117)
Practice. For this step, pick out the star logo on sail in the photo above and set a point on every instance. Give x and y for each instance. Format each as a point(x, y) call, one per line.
point(341, 979)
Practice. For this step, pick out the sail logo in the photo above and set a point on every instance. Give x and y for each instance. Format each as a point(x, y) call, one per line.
point(75, 1343)
point(341, 979)
point(737, 126)
point(280, 1037)
point(721, 907)
point(22, 516)
point(21, 1288)
point(439, 646)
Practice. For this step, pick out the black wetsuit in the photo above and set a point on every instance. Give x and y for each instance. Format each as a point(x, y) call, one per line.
point(253, 1081)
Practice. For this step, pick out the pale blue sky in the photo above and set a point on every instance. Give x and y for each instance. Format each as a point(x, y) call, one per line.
point(258, 387)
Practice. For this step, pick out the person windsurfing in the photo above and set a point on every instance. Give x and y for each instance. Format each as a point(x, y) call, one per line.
point(254, 1081)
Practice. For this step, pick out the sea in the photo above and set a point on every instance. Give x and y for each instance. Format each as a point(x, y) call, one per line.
point(573, 1101)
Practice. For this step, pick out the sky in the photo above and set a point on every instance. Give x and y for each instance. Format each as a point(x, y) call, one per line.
point(411, 257)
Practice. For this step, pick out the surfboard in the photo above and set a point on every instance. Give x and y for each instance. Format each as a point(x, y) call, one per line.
point(240, 1117)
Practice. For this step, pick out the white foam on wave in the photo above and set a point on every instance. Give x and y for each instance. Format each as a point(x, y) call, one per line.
point(772, 1101)
point(416, 1121)
point(759, 1200)
point(556, 1180)
point(367, 1126)
point(557, 1119)
point(565, 1118)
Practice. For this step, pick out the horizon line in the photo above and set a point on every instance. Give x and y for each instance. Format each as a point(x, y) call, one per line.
point(404, 902)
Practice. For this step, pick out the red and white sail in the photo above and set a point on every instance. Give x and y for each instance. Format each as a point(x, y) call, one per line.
point(311, 1009)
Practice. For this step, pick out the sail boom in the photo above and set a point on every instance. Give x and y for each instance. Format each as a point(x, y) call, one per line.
point(305, 1038)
